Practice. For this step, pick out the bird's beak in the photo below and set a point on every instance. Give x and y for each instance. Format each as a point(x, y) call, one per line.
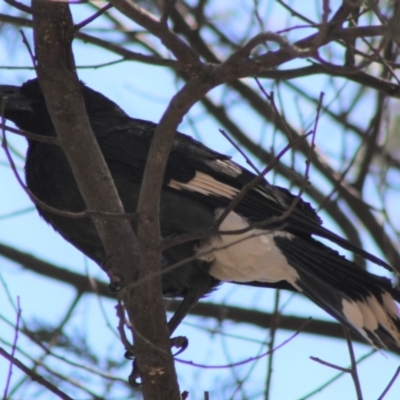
point(12, 100)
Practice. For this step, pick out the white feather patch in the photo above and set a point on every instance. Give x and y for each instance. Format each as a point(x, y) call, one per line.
point(383, 315)
point(354, 316)
point(370, 321)
point(369, 315)
point(246, 257)
point(234, 170)
point(205, 184)
point(390, 305)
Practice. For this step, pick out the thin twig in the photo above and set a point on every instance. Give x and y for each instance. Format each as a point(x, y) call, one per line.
point(354, 373)
point(45, 206)
point(121, 326)
point(273, 330)
point(19, 6)
point(277, 114)
point(259, 178)
point(184, 54)
point(385, 392)
point(330, 365)
point(293, 50)
point(335, 378)
point(97, 14)
point(237, 147)
point(34, 376)
point(32, 336)
point(13, 349)
point(28, 47)
point(251, 359)
point(32, 136)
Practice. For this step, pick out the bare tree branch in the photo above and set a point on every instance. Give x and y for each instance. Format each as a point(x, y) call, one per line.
point(53, 30)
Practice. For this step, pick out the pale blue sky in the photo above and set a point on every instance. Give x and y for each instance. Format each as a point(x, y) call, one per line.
point(143, 91)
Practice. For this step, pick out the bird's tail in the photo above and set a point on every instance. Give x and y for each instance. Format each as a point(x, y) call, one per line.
point(360, 300)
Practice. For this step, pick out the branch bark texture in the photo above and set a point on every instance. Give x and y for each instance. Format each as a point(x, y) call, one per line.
point(53, 34)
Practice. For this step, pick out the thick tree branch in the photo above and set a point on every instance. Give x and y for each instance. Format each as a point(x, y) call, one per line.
point(148, 215)
point(53, 32)
point(84, 284)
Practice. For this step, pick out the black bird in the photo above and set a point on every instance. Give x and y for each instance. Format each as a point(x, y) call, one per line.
point(199, 184)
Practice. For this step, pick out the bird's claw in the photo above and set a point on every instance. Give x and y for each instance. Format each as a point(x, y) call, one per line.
point(115, 287)
point(129, 355)
point(134, 376)
point(180, 342)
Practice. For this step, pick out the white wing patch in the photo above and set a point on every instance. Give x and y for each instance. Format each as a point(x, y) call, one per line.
point(368, 315)
point(207, 185)
point(246, 257)
point(390, 306)
point(254, 256)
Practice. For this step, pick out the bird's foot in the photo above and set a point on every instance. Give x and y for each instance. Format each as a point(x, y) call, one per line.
point(115, 287)
point(134, 377)
point(180, 342)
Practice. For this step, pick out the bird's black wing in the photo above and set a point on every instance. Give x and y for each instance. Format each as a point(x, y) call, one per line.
point(211, 178)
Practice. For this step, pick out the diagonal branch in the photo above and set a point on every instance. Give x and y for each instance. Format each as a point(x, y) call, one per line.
point(34, 376)
point(84, 284)
point(183, 53)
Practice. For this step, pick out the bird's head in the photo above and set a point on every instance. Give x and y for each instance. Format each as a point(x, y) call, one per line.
point(25, 105)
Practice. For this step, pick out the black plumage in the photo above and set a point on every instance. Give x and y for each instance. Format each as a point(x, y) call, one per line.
point(199, 184)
